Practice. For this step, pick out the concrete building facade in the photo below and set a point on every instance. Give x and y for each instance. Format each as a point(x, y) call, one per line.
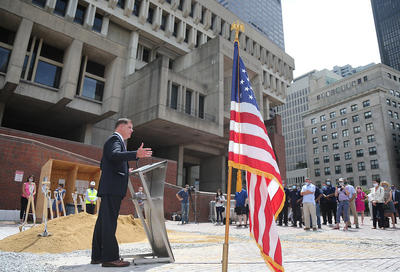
point(264, 15)
point(70, 68)
point(353, 128)
point(348, 70)
point(297, 104)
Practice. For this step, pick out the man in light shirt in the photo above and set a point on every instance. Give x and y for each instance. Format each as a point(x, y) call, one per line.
point(307, 192)
point(352, 202)
point(378, 198)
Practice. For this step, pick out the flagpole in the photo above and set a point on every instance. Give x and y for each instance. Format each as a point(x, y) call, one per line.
point(237, 26)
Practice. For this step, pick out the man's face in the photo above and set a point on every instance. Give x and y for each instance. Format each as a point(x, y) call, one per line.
point(308, 181)
point(126, 130)
point(186, 188)
point(140, 189)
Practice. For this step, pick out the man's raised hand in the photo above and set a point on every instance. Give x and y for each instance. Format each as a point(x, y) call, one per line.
point(144, 152)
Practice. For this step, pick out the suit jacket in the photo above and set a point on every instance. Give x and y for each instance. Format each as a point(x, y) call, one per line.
point(114, 167)
point(396, 196)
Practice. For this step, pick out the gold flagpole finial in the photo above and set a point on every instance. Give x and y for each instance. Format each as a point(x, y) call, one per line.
point(238, 27)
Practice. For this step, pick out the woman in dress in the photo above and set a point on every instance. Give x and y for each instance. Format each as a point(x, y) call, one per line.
point(360, 204)
point(219, 205)
point(388, 204)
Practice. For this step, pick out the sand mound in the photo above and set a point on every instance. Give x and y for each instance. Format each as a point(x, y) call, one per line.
point(69, 233)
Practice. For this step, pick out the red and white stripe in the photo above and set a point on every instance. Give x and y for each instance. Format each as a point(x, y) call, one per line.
point(250, 149)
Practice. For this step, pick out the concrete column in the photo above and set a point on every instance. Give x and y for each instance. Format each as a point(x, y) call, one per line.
point(157, 18)
point(207, 19)
point(132, 51)
point(2, 107)
point(104, 27)
point(18, 53)
point(89, 16)
point(216, 27)
point(180, 165)
point(112, 3)
point(197, 13)
point(113, 87)
point(50, 5)
point(169, 28)
point(181, 31)
point(266, 108)
point(129, 4)
point(70, 72)
point(144, 11)
point(183, 93)
point(71, 10)
point(187, 5)
point(88, 134)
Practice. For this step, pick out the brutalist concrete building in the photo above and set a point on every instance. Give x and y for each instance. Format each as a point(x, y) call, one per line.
point(70, 68)
point(353, 128)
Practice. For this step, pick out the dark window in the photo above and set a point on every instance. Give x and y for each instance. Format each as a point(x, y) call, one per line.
point(317, 172)
point(316, 161)
point(163, 21)
point(61, 7)
point(327, 170)
point(187, 34)
point(323, 128)
point(48, 74)
point(360, 152)
point(203, 12)
point(354, 107)
point(372, 150)
point(198, 38)
point(174, 96)
point(7, 36)
point(358, 141)
point(136, 7)
point(146, 55)
point(356, 129)
point(40, 3)
point(363, 180)
point(355, 118)
point(326, 159)
point(338, 169)
point(23, 67)
point(201, 106)
point(374, 164)
point(349, 168)
point(336, 157)
point(191, 10)
point(324, 138)
point(95, 68)
point(366, 103)
point(93, 88)
point(150, 15)
point(335, 146)
point(98, 22)
point(176, 23)
point(376, 177)
point(181, 2)
point(342, 111)
point(367, 115)
point(371, 138)
point(80, 14)
point(188, 104)
point(52, 53)
point(347, 155)
point(346, 143)
point(4, 58)
point(121, 4)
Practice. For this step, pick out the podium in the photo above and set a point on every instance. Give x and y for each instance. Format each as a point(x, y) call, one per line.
point(152, 177)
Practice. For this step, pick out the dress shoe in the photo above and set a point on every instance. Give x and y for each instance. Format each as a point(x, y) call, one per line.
point(117, 263)
point(95, 262)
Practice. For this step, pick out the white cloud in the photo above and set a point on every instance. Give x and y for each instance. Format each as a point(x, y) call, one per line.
point(322, 33)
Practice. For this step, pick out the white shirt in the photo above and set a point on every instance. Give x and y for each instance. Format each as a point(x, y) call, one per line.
point(378, 194)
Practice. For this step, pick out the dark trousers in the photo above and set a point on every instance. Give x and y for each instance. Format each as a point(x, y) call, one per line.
point(283, 215)
point(90, 208)
point(24, 204)
point(377, 211)
point(296, 214)
point(104, 245)
point(219, 213)
point(324, 212)
point(397, 209)
point(331, 211)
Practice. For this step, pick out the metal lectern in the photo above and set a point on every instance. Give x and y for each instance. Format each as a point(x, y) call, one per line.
point(152, 177)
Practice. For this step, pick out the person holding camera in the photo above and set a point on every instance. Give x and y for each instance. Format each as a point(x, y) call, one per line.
point(183, 196)
point(219, 205)
point(343, 195)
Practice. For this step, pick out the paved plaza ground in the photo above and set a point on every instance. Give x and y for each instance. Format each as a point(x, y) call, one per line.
point(198, 247)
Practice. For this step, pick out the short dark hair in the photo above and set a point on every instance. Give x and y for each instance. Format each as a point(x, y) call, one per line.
point(378, 180)
point(122, 121)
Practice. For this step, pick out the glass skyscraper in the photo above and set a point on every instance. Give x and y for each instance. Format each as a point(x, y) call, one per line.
point(387, 24)
point(264, 15)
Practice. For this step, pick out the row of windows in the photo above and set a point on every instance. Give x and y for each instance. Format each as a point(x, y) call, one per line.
point(374, 164)
point(347, 155)
point(345, 132)
point(335, 146)
point(392, 103)
point(362, 179)
point(188, 103)
point(6, 45)
point(395, 93)
point(342, 88)
point(342, 111)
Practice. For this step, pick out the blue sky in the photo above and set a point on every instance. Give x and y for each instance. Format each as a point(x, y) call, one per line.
point(322, 33)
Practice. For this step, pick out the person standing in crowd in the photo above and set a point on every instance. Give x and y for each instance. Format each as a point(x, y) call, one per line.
point(307, 192)
point(30, 181)
point(377, 199)
point(329, 195)
point(388, 204)
point(112, 189)
point(219, 206)
point(294, 201)
point(352, 204)
point(91, 198)
point(283, 215)
point(60, 194)
point(318, 195)
point(343, 194)
point(323, 204)
point(140, 197)
point(183, 196)
point(360, 203)
point(396, 201)
point(240, 207)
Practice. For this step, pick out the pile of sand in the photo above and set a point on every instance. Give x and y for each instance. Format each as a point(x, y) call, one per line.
point(69, 233)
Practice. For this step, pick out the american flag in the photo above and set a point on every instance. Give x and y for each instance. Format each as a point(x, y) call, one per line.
point(250, 149)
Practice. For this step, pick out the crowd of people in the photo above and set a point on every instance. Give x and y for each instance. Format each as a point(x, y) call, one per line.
point(305, 205)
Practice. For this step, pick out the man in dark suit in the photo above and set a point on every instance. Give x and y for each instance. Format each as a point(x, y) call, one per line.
point(396, 201)
point(283, 215)
point(112, 189)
